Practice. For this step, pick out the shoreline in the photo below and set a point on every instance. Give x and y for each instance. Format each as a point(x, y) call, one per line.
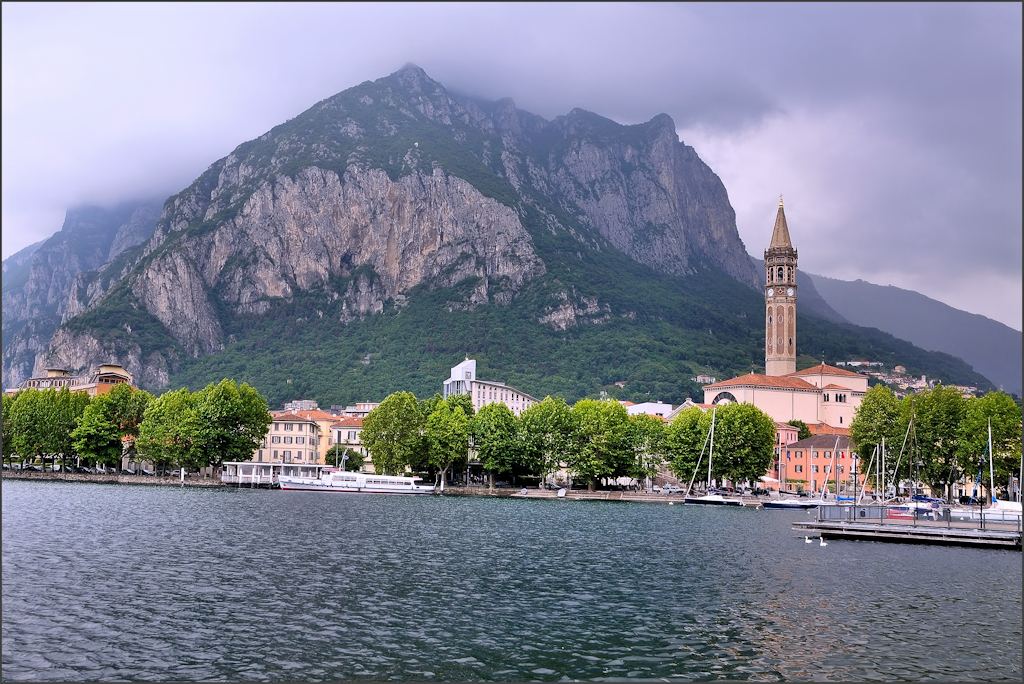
point(112, 479)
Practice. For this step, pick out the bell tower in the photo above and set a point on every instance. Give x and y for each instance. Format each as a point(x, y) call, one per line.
point(780, 300)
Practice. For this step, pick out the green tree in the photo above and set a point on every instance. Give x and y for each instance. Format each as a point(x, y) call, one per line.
point(545, 434)
point(232, 422)
point(97, 438)
point(127, 409)
point(345, 458)
point(32, 418)
point(169, 431)
point(391, 433)
point(495, 434)
point(803, 432)
point(938, 415)
point(1005, 416)
point(447, 433)
point(8, 429)
point(67, 413)
point(645, 439)
point(744, 439)
point(599, 441)
point(686, 438)
point(877, 417)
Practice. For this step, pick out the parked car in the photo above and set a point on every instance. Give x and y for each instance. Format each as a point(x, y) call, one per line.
point(36, 468)
point(127, 471)
point(656, 489)
point(671, 489)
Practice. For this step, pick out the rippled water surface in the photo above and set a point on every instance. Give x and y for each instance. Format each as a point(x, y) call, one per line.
point(105, 582)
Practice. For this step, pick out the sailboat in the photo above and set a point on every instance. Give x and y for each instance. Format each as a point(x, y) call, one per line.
point(710, 498)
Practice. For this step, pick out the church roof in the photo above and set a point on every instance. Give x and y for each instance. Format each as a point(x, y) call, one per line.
point(772, 381)
point(780, 236)
point(823, 369)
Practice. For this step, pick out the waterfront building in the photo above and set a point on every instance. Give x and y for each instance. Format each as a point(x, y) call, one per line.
point(101, 381)
point(301, 405)
point(809, 463)
point(463, 380)
point(323, 421)
point(345, 432)
point(291, 439)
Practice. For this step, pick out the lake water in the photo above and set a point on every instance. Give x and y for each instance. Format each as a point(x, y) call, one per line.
point(105, 582)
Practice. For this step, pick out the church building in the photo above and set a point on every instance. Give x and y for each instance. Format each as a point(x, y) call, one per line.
point(822, 395)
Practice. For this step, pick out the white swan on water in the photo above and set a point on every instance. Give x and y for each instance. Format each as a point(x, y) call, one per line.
point(823, 542)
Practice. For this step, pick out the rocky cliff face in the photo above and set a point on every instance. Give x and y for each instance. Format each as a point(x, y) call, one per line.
point(391, 186)
point(35, 300)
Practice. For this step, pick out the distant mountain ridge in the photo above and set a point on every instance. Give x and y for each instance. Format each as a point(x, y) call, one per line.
point(375, 239)
point(992, 348)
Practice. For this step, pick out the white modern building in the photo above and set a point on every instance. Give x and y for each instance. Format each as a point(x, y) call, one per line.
point(483, 392)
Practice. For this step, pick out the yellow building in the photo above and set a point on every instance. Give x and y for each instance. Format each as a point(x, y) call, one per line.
point(291, 439)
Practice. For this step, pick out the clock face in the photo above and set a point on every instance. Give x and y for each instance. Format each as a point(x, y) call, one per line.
point(790, 292)
point(771, 292)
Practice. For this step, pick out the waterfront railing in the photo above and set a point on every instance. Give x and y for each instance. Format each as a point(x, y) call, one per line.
point(950, 518)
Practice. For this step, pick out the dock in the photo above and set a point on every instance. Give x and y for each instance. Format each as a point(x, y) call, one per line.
point(871, 523)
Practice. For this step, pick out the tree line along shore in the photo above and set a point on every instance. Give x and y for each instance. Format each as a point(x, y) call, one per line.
point(944, 434)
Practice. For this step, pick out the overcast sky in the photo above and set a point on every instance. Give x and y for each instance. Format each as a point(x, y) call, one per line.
point(893, 131)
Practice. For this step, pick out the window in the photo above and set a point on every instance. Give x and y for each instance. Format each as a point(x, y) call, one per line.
point(840, 469)
point(300, 440)
point(260, 457)
point(299, 427)
point(799, 454)
point(798, 468)
point(275, 453)
point(814, 468)
point(352, 435)
point(288, 427)
point(330, 441)
point(825, 396)
point(277, 426)
point(840, 420)
point(815, 454)
point(287, 440)
point(276, 439)
point(828, 469)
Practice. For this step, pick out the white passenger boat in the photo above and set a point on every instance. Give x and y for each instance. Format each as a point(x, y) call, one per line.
point(713, 500)
point(334, 480)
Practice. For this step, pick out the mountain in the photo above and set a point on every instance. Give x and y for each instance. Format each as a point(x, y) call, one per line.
point(993, 349)
point(38, 280)
point(372, 241)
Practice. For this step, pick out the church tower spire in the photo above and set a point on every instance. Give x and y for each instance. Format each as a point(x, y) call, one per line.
point(780, 300)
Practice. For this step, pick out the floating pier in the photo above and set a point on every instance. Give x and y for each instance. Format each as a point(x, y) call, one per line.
point(872, 523)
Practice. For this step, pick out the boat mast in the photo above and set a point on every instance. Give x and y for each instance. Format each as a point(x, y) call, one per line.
point(701, 457)
point(711, 452)
point(991, 470)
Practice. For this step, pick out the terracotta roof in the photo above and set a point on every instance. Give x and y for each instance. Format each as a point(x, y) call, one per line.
point(317, 415)
point(822, 442)
point(780, 236)
point(289, 417)
point(627, 403)
point(822, 369)
point(786, 426)
point(348, 421)
point(833, 386)
point(826, 429)
point(771, 381)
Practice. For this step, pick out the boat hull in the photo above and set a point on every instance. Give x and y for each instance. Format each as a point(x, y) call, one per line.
point(711, 500)
point(402, 486)
point(792, 504)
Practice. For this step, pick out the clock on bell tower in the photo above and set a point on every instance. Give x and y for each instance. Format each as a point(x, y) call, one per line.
point(780, 300)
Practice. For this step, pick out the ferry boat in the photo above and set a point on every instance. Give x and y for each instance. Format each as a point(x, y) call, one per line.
point(791, 503)
point(334, 480)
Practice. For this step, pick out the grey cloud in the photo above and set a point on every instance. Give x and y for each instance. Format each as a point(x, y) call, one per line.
point(107, 102)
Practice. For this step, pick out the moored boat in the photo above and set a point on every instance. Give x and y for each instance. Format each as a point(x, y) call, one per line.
point(333, 480)
point(791, 503)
